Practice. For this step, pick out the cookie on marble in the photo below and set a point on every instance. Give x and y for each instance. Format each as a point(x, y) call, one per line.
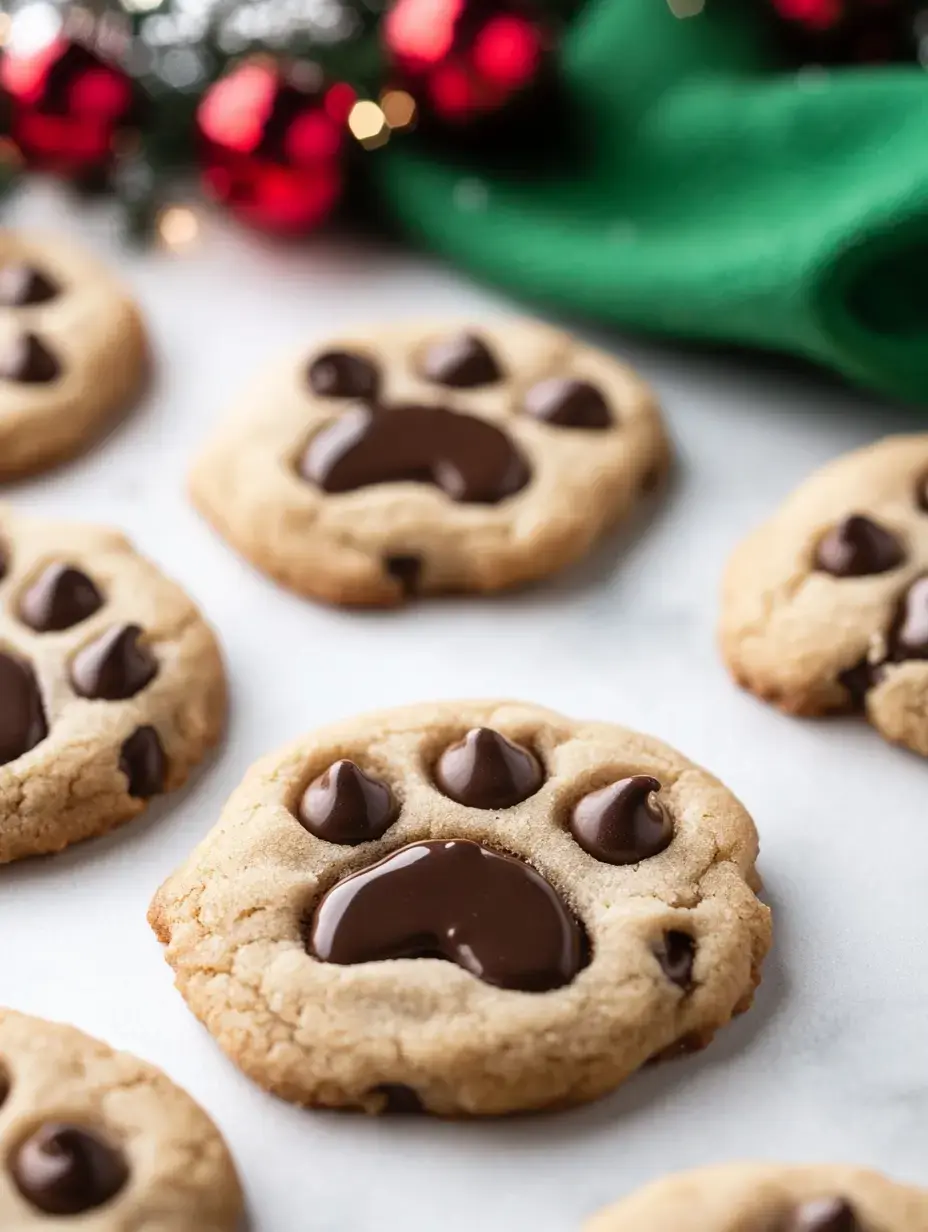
point(466, 908)
point(102, 1140)
point(111, 684)
point(72, 351)
point(825, 607)
point(770, 1198)
point(428, 459)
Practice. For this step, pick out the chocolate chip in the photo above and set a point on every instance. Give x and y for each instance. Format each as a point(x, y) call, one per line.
point(468, 458)
point(676, 953)
point(4, 561)
point(622, 823)
point(142, 761)
point(22, 285)
point(407, 570)
point(26, 359)
point(568, 404)
point(114, 666)
point(462, 361)
point(344, 374)
point(22, 715)
point(65, 1169)
point(491, 914)
point(908, 635)
point(60, 597)
point(487, 771)
point(860, 679)
point(345, 805)
point(399, 1099)
point(858, 547)
point(825, 1215)
point(5, 1086)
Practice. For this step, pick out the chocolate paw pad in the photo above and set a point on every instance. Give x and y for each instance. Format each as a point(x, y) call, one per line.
point(412, 461)
point(72, 351)
point(93, 1136)
point(772, 1197)
point(111, 684)
point(492, 876)
point(825, 607)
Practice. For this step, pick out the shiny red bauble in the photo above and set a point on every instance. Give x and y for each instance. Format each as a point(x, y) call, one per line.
point(273, 143)
point(463, 58)
point(67, 105)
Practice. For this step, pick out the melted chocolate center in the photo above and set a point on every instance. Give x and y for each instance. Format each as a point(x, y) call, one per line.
point(468, 458)
point(488, 913)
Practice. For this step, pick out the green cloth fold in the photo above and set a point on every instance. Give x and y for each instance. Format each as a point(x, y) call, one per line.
point(715, 197)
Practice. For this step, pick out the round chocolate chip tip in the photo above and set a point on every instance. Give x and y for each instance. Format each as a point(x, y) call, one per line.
point(60, 597)
point(142, 761)
point(830, 1214)
point(460, 361)
point(568, 403)
point(344, 374)
point(114, 666)
point(23, 285)
point(344, 805)
point(26, 360)
point(624, 822)
point(487, 771)
point(64, 1169)
point(858, 547)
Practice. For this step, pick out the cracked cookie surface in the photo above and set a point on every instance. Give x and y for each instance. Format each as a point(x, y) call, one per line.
point(111, 684)
point(770, 1198)
point(72, 350)
point(390, 463)
point(349, 931)
point(102, 1140)
point(825, 606)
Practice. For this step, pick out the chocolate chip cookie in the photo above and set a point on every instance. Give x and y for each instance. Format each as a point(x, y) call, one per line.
point(770, 1198)
point(111, 684)
point(418, 460)
point(103, 1140)
point(466, 908)
point(72, 351)
point(825, 607)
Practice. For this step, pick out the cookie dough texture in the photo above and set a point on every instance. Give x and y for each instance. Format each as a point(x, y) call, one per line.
point(334, 546)
point(232, 919)
point(95, 331)
point(70, 785)
point(788, 631)
point(181, 1176)
point(761, 1198)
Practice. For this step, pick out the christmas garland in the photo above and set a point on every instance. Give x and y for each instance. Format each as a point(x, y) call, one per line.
point(270, 102)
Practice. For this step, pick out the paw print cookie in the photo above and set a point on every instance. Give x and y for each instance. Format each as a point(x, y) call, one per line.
point(770, 1198)
point(111, 684)
point(72, 351)
point(466, 908)
point(421, 460)
point(825, 607)
point(103, 1141)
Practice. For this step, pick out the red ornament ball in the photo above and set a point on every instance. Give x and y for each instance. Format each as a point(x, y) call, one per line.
point(67, 105)
point(273, 143)
point(463, 58)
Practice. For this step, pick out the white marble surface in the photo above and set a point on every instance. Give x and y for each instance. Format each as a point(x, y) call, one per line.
point(831, 1063)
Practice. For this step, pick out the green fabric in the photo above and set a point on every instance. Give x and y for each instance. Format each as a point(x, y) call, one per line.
point(711, 196)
